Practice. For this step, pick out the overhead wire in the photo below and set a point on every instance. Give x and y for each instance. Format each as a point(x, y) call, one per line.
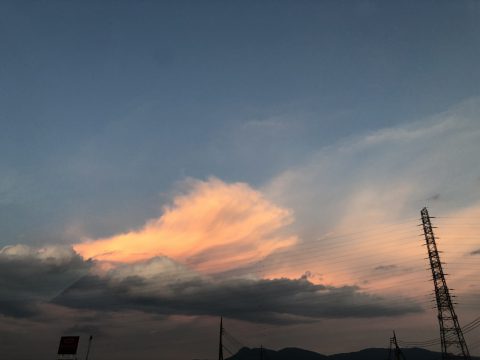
point(333, 243)
point(469, 327)
point(368, 266)
point(465, 329)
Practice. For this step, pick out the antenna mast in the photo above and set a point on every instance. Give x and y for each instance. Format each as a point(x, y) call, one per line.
point(451, 335)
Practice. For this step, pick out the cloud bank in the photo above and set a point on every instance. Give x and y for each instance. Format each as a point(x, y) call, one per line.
point(32, 275)
point(164, 287)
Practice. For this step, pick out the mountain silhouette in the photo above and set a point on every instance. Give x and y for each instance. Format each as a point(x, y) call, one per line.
point(284, 354)
point(301, 354)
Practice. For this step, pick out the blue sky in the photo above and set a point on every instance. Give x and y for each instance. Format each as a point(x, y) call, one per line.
point(107, 108)
point(110, 103)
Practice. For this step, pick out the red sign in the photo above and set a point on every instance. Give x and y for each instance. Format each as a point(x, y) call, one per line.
point(68, 345)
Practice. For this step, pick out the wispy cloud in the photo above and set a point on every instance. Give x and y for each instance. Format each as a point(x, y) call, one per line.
point(385, 267)
point(475, 252)
point(367, 191)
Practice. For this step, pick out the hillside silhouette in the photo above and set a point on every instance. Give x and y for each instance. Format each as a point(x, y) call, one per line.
point(301, 354)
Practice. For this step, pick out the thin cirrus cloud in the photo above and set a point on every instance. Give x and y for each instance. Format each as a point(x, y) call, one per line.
point(358, 201)
point(213, 227)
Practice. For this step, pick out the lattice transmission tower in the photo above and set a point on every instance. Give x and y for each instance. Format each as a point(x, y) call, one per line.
point(451, 335)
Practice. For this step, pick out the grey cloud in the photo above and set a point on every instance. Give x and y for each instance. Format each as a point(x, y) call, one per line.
point(434, 197)
point(385, 267)
point(31, 275)
point(280, 301)
point(85, 328)
point(475, 252)
point(19, 309)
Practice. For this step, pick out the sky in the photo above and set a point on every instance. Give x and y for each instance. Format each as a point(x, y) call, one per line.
point(165, 163)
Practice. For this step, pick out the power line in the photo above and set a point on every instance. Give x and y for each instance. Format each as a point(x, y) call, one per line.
point(466, 329)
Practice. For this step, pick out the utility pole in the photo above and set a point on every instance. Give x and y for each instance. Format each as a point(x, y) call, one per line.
point(390, 350)
point(261, 352)
point(220, 343)
point(89, 345)
point(397, 352)
point(451, 335)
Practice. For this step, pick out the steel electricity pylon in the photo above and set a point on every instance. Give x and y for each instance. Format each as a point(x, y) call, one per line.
point(451, 335)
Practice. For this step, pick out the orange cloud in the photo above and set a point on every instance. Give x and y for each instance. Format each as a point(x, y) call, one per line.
point(214, 227)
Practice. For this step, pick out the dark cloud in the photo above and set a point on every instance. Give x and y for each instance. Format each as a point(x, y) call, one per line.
point(475, 252)
point(87, 328)
point(30, 275)
point(385, 267)
point(161, 286)
point(256, 300)
point(18, 308)
point(434, 197)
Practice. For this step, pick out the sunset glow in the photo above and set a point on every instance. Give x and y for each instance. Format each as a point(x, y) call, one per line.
point(167, 164)
point(214, 227)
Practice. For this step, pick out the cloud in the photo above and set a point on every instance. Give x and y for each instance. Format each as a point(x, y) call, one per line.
point(434, 197)
point(214, 226)
point(385, 173)
point(357, 202)
point(385, 267)
point(31, 275)
point(176, 264)
point(475, 252)
point(164, 287)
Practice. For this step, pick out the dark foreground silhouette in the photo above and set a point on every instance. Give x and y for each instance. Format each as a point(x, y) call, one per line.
point(300, 354)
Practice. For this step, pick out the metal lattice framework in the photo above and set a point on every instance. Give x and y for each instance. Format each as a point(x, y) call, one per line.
point(451, 335)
